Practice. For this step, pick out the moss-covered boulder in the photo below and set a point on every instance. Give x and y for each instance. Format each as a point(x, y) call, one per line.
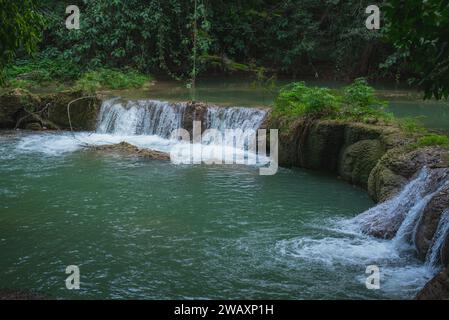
point(83, 111)
point(358, 160)
point(13, 105)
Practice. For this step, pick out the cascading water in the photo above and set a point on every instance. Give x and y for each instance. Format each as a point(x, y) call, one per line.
point(402, 214)
point(396, 220)
point(149, 117)
point(146, 117)
point(137, 122)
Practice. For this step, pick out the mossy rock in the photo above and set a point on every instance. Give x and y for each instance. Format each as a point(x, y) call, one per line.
point(359, 159)
point(322, 146)
point(35, 126)
point(12, 106)
point(83, 113)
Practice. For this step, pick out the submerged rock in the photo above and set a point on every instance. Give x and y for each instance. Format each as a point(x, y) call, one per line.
point(437, 288)
point(125, 148)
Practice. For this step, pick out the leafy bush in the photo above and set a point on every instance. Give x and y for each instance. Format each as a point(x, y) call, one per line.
point(360, 103)
point(434, 140)
point(41, 70)
point(110, 79)
point(297, 99)
point(357, 102)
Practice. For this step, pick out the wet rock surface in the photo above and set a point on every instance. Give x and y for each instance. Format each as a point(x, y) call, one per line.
point(437, 288)
point(127, 149)
point(429, 222)
point(19, 108)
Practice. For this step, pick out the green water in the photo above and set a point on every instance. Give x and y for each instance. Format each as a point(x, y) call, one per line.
point(152, 230)
point(241, 92)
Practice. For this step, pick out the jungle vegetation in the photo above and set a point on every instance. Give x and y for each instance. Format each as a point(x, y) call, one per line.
point(182, 39)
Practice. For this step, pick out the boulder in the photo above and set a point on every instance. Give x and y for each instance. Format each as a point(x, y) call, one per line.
point(12, 106)
point(127, 149)
point(398, 166)
point(83, 112)
point(358, 160)
point(194, 111)
point(437, 288)
point(428, 224)
point(35, 126)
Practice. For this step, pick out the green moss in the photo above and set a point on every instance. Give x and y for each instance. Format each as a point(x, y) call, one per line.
point(433, 140)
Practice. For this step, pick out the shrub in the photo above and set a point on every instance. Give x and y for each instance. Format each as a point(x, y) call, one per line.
point(297, 99)
point(360, 103)
point(433, 140)
point(42, 70)
point(356, 102)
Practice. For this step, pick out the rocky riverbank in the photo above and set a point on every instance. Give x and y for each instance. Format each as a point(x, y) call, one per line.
point(383, 160)
point(19, 109)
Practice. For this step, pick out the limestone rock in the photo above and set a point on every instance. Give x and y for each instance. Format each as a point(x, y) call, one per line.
point(358, 160)
point(12, 104)
point(125, 148)
point(437, 288)
point(429, 222)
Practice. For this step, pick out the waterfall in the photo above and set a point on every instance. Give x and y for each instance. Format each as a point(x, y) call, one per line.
point(234, 118)
point(402, 215)
point(147, 117)
point(394, 211)
point(150, 117)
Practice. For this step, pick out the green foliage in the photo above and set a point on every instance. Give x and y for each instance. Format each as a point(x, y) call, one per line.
point(299, 100)
point(433, 140)
point(419, 31)
point(360, 103)
point(42, 70)
point(356, 102)
point(412, 125)
point(20, 30)
point(110, 79)
point(151, 36)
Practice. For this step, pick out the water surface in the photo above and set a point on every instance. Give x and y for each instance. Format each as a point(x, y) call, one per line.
point(154, 230)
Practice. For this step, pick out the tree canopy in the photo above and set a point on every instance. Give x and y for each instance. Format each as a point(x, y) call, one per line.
point(419, 31)
point(297, 38)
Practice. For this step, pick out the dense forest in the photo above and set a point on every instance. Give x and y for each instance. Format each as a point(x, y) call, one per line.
point(182, 39)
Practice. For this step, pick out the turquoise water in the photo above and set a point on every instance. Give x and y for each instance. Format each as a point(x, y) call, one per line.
point(142, 229)
point(241, 92)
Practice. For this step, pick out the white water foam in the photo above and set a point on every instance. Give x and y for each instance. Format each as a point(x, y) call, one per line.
point(149, 124)
point(402, 274)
